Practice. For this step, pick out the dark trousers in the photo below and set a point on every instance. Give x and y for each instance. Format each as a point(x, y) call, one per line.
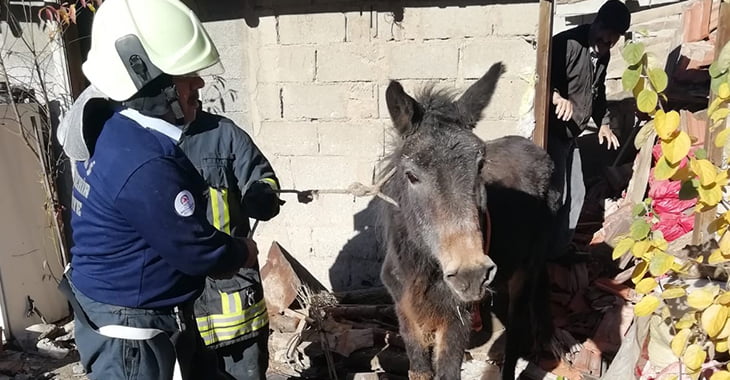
point(246, 360)
point(568, 179)
point(107, 358)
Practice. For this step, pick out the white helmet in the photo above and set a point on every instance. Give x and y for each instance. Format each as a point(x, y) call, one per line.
point(135, 41)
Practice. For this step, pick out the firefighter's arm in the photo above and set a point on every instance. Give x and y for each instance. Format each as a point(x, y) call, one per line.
point(256, 179)
point(168, 211)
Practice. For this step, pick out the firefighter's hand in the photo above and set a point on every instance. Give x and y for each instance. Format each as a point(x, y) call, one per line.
point(563, 107)
point(252, 253)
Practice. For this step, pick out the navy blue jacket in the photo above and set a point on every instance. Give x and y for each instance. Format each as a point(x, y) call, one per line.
point(139, 223)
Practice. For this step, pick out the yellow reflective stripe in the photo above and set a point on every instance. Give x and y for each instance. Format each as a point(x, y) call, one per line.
point(226, 215)
point(215, 321)
point(271, 182)
point(214, 208)
point(218, 335)
point(237, 302)
point(225, 303)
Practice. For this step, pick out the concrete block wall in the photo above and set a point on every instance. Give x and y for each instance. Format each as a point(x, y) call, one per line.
point(310, 90)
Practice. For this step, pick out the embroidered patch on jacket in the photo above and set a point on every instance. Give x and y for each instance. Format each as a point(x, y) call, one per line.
point(184, 203)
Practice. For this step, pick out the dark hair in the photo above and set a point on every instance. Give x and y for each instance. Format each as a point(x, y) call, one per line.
point(615, 16)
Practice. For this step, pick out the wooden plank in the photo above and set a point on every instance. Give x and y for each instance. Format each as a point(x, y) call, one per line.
point(702, 220)
point(542, 87)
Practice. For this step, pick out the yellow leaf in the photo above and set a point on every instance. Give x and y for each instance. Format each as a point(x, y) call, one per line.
point(660, 263)
point(715, 105)
point(720, 346)
point(676, 149)
point(720, 114)
point(725, 332)
point(687, 321)
point(724, 299)
point(694, 356)
point(665, 170)
point(717, 257)
point(701, 298)
point(724, 91)
point(721, 137)
point(660, 244)
point(713, 319)
point(674, 292)
point(646, 306)
point(680, 341)
point(705, 170)
point(639, 249)
point(646, 285)
point(720, 375)
point(622, 247)
point(725, 243)
point(722, 178)
point(709, 195)
point(639, 271)
point(666, 124)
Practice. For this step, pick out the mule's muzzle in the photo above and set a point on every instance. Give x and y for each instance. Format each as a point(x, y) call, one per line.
point(471, 283)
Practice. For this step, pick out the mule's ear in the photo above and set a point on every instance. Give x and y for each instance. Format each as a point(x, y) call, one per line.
point(477, 97)
point(403, 109)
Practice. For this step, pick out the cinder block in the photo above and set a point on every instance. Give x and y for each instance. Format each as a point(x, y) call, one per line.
point(331, 172)
point(352, 139)
point(227, 95)
point(478, 55)
point(281, 165)
point(266, 31)
point(448, 22)
point(493, 129)
point(388, 29)
point(232, 57)
point(506, 100)
point(361, 26)
point(325, 210)
point(222, 30)
point(513, 19)
point(427, 60)
point(349, 62)
point(268, 101)
point(288, 139)
point(311, 28)
point(286, 64)
point(329, 101)
point(242, 120)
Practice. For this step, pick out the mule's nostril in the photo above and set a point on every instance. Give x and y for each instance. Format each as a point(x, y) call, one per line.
point(490, 273)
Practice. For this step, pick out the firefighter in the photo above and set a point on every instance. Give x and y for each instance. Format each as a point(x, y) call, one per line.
point(231, 313)
point(143, 244)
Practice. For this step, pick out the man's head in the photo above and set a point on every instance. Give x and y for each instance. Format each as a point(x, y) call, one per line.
point(611, 22)
point(151, 66)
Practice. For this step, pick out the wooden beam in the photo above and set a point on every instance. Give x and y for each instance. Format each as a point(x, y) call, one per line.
point(703, 220)
point(543, 91)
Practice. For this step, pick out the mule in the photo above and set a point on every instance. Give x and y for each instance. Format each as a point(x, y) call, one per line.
point(471, 225)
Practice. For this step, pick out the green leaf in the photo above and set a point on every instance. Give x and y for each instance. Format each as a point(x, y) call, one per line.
point(660, 264)
point(647, 100)
point(640, 229)
point(630, 79)
point(701, 154)
point(638, 210)
point(723, 59)
point(658, 79)
point(715, 70)
point(687, 191)
point(633, 53)
point(715, 83)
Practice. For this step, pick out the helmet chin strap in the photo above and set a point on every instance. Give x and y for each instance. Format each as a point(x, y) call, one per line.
point(174, 102)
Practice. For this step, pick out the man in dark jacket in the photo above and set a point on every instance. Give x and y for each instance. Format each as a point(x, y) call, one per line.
point(231, 313)
point(579, 60)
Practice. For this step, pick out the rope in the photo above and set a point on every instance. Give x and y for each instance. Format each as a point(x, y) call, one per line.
point(356, 189)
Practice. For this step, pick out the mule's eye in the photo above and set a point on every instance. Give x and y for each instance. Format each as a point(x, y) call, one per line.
point(412, 177)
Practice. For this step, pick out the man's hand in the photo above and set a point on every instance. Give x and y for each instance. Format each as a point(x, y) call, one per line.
point(606, 133)
point(563, 107)
point(252, 260)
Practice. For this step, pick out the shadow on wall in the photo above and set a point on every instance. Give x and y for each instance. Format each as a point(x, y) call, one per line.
point(357, 266)
point(252, 10)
